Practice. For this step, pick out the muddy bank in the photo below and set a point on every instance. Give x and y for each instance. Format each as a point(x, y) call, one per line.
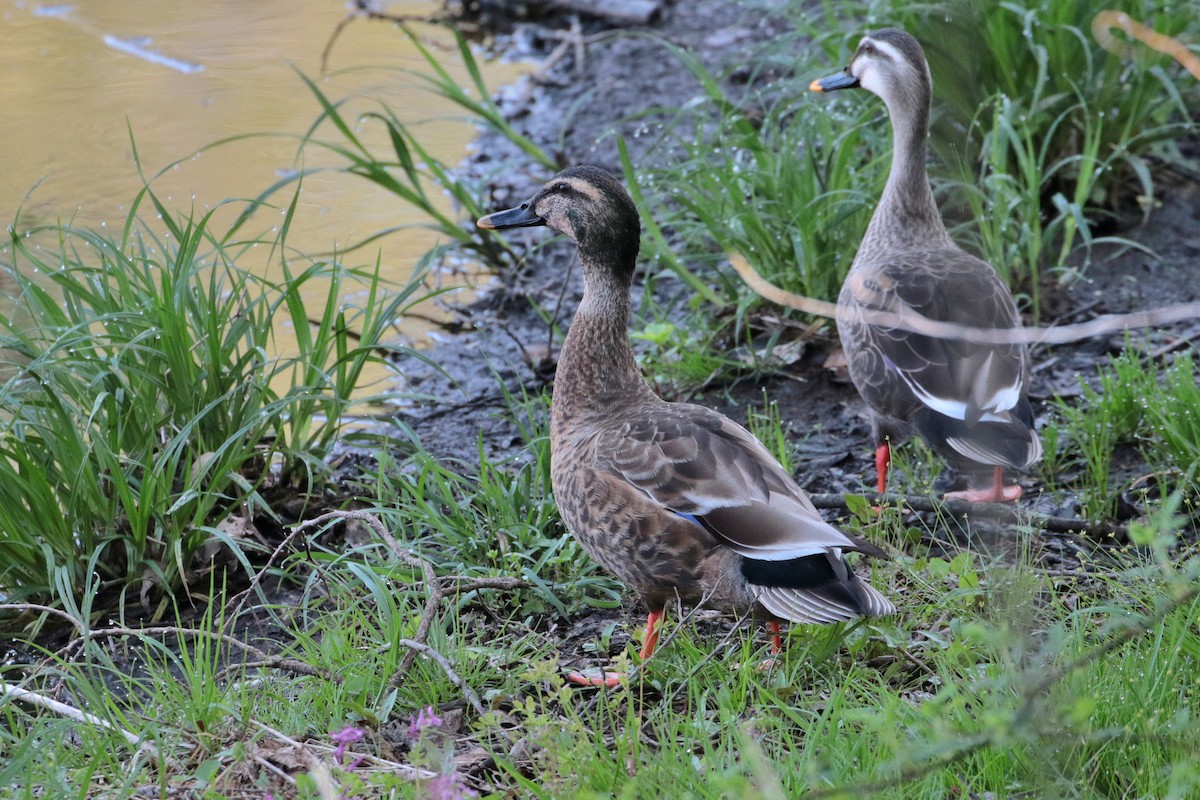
point(626, 84)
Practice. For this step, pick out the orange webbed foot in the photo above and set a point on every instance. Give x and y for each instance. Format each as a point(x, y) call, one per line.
point(602, 679)
point(996, 493)
point(1003, 494)
point(599, 679)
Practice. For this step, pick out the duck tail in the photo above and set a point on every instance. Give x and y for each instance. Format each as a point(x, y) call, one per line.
point(818, 588)
point(1013, 443)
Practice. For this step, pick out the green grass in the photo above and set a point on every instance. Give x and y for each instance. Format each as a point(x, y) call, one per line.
point(992, 679)
point(487, 518)
point(145, 401)
point(789, 190)
point(1134, 405)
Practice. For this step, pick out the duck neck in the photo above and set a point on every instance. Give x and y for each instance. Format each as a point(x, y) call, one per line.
point(597, 364)
point(907, 215)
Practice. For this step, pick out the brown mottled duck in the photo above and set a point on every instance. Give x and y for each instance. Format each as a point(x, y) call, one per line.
point(673, 499)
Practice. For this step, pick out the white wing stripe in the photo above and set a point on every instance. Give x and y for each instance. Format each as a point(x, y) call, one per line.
point(995, 409)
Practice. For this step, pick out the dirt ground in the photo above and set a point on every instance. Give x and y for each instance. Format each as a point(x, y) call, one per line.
point(575, 110)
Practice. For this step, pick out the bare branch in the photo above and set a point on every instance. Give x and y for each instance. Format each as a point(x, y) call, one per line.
point(463, 686)
point(999, 512)
point(70, 712)
point(910, 320)
point(58, 612)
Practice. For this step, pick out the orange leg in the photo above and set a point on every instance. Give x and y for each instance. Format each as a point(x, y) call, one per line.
point(883, 458)
point(610, 680)
point(651, 638)
point(996, 493)
point(775, 648)
point(776, 638)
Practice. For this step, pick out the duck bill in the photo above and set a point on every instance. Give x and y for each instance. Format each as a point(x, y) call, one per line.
point(520, 217)
point(843, 80)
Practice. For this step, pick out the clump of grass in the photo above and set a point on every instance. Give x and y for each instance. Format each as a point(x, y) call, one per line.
point(768, 427)
point(1077, 100)
point(678, 357)
point(992, 689)
point(141, 404)
point(990, 680)
point(1132, 405)
point(790, 191)
point(760, 176)
point(493, 517)
point(1040, 132)
point(1006, 202)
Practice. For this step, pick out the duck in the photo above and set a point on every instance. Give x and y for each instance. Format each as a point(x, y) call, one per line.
point(674, 499)
point(967, 401)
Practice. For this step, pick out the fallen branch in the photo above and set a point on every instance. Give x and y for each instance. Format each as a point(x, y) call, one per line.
point(463, 686)
point(909, 320)
point(40, 609)
point(1005, 514)
point(70, 712)
point(284, 664)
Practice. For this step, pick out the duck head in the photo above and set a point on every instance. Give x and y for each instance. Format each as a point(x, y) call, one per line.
point(586, 204)
point(888, 63)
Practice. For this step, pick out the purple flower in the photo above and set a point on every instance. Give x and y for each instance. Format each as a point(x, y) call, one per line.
point(343, 739)
point(449, 787)
point(422, 720)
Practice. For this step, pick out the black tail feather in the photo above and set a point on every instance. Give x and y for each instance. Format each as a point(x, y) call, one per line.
point(823, 574)
point(1008, 442)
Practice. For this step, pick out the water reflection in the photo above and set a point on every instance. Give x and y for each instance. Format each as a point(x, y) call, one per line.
point(84, 79)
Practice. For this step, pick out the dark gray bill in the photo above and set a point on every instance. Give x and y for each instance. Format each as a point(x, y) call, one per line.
point(520, 217)
point(843, 80)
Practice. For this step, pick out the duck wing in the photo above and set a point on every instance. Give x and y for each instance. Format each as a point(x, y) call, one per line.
point(697, 463)
point(968, 395)
point(700, 465)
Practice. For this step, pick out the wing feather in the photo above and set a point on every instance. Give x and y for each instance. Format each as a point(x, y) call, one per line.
point(693, 461)
point(962, 380)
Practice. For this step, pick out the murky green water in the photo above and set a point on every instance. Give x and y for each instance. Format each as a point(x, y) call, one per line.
point(183, 75)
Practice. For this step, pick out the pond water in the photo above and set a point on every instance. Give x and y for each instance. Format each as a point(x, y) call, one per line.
point(79, 78)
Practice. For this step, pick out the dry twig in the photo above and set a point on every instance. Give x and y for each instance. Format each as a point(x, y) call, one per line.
point(70, 712)
point(909, 320)
point(463, 686)
point(999, 512)
point(40, 609)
